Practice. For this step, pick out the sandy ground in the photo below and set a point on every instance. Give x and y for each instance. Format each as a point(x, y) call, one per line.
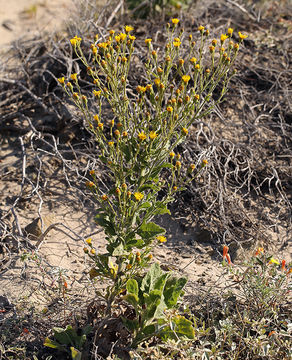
point(62, 252)
point(20, 18)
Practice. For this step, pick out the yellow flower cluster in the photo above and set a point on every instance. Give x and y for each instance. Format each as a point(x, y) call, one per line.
point(138, 196)
point(75, 41)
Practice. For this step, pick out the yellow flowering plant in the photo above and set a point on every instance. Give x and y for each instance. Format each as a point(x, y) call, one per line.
point(138, 145)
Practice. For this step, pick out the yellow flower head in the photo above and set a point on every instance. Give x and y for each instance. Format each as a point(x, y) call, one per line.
point(91, 172)
point(123, 36)
point(89, 241)
point(175, 21)
point(204, 162)
point(192, 167)
point(186, 78)
point(92, 251)
point(148, 41)
point(128, 28)
point(141, 136)
point(74, 77)
point(138, 196)
point(157, 82)
point(161, 238)
point(184, 131)
point(90, 184)
point(201, 28)
point(230, 31)
point(193, 60)
point(97, 93)
point(100, 125)
point(75, 41)
point(169, 109)
point(110, 143)
point(223, 38)
point(104, 197)
point(118, 38)
point(177, 43)
point(242, 36)
point(152, 135)
point(61, 80)
point(274, 261)
point(102, 45)
point(141, 89)
point(197, 67)
point(132, 38)
point(171, 154)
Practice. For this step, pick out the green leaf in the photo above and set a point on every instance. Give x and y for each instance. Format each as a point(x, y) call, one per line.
point(180, 327)
point(76, 354)
point(104, 221)
point(149, 330)
point(64, 336)
point(152, 302)
point(131, 325)
point(145, 205)
point(172, 290)
point(132, 287)
point(161, 209)
point(149, 186)
point(125, 148)
point(131, 299)
point(138, 243)
point(150, 278)
point(150, 230)
point(160, 282)
point(52, 344)
point(119, 250)
point(87, 329)
point(184, 327)
point(158, 169)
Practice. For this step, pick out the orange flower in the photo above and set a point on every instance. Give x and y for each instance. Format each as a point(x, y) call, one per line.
point(283, 265)
point(259, 251)
point(228, 259)
point(225, 251)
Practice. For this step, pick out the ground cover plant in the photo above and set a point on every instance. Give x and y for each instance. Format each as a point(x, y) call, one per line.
point(222, 323)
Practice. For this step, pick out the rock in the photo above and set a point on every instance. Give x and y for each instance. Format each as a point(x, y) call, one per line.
point(36, 228)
